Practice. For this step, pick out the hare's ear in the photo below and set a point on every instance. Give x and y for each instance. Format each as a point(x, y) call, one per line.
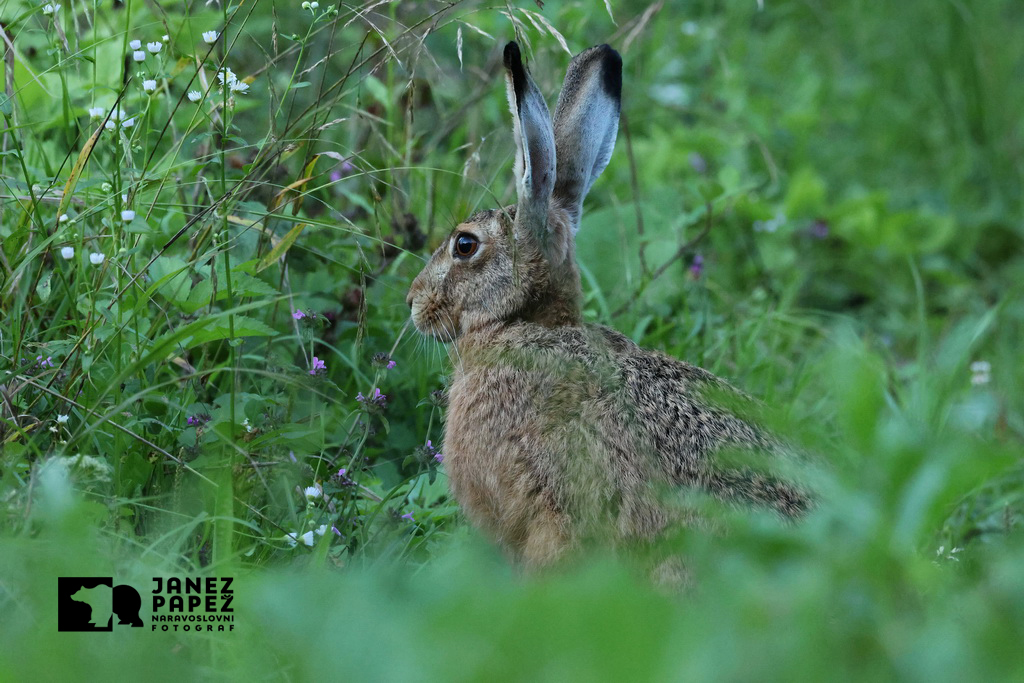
point(586, 123)
point(535, 144)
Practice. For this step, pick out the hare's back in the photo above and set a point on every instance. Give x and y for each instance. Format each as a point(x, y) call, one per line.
point(689, 415)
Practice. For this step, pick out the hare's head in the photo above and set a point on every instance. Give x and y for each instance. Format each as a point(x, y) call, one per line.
point(518, 263)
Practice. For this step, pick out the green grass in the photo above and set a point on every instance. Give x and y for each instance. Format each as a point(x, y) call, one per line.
point(857, 169)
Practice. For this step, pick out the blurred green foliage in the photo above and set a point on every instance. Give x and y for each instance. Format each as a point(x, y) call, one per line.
point(857, 170)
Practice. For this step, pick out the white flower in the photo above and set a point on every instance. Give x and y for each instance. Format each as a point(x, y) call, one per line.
point(135, 45)
point(308, 537)
point(127, 215)
point(62, 419)
point(245, 423)
point(96, 258)
point(50, 9)
point(67, 252)
point(980, 372)
point(165, 38)
point(226, 75)
point(210, 36)
point(149, 85)
point(771, 225)
point(305, 5)
point(314, 4)
point(194, 95)
point(117, 117)
point(295, 538)
point(313, 492)
point(96, 112)
point(138, 55)
point(951, 555)
point(64, 218)
point(154, 47)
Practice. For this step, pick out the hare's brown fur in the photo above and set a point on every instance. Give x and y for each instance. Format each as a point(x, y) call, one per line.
point(558, 431)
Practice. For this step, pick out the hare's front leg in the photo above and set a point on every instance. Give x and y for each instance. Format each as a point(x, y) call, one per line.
point(547, 539)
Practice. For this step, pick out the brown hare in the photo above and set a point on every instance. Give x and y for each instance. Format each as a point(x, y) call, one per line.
point(559, 431)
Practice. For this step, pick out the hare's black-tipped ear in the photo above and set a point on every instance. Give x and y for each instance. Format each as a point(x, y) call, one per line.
point(535, 144)
point(586, 124)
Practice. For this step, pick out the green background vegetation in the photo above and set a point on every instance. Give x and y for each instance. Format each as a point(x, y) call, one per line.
point(858, 170)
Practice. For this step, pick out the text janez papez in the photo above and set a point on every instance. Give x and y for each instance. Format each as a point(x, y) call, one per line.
point(190, 604)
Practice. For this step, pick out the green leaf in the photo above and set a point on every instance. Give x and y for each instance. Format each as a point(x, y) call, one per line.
point(219, 328)
point(378, 91)
point(198, 297)
point(170, 274)
point(281, 247)
point(247, 285)
point(806, 195)
point(242, 284)
point(43, 288)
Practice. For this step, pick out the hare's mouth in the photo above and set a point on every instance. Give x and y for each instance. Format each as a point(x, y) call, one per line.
point(433, 323)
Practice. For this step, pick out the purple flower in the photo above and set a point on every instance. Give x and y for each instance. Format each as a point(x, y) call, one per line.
point(298, 314)
point(318, 365)
point(697, 266)
point(44, 362)
point(335, 530)
point(818, 230)
point(382, 360)
point(376, 400)
point(698, 163)
point(342, 478)
point(344, 170)
point(408, 516)
point(431, 453)
point(197, 420)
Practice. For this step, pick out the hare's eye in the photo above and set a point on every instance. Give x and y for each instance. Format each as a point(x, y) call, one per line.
point(465, 245)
